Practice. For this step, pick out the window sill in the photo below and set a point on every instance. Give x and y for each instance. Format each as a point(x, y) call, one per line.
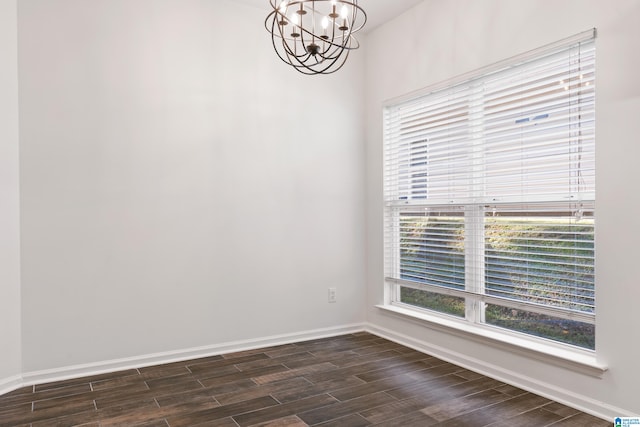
point(582, 361)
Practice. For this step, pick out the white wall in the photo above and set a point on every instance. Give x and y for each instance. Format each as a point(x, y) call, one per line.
point(440, 39)
point(181, 187)
point(10, 355)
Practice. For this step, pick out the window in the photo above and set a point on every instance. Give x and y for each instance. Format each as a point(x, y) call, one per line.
point(490, 196)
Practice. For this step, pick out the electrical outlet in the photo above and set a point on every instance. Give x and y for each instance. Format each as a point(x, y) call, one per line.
point(332, 295)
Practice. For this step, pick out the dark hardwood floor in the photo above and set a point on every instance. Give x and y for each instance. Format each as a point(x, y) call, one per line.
point(351, 380)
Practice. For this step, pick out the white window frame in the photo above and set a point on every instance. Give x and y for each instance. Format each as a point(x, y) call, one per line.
point(473, 293)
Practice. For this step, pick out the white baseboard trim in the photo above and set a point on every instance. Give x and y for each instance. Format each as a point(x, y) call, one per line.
point(566, 397)
point(10, 384)
point(77, 371)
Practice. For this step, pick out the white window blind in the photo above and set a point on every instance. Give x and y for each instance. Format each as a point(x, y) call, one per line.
point(490, 191)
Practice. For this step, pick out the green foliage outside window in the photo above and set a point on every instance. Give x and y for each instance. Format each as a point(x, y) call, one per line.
point(540, 260)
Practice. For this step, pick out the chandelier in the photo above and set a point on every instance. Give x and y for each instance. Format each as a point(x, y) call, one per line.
point(315, 36)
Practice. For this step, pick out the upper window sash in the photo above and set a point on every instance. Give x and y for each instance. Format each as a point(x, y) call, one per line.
point(523, 133)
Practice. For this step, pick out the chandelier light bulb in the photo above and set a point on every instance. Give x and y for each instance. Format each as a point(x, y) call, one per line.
point(283, 6)
point(344, 13)
point(325, 25)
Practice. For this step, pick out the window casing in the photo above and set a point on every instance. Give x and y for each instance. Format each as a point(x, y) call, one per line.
point(490, 196)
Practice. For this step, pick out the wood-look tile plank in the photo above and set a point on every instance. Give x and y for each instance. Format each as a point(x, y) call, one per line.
point(276, 412)
point(131, 380)
point(379, 347)
point(205, 368)
point(353, 420)
point(262, 363)
point(240, 375)
point(278, 350)
point(489, 413)
point(171, 382)
point(461, 390)
point(143, 396)
point(412, 419)
point(291, 421)
point(332, 384)
point(560, 409)
point(155, 423)
point(19, 399)
point(510, 390)
point(220, 412)
point(14, 413)
point(329, 345)
point(390, 383)
point(371, 361)
point(229, 387)
point(444, 407)
point(223, 422)
point(469, 375)
point(47, 413)
point(295, 393)
point(174, 387)
point(199, 395)
point(284, 350)
point(427, 386)
point(392, 410)
point(341, 409)
point(88, 379)
point(219, 371)
point(444, 393)
point(321, 350)
point(333, 342)
point(293, 385)
point(303, 358)
point(394, 370)
point(19, 391)
point(126, 395)
point(163, 371)
point(321, 357)
point(380, 362)
point(436, 371)
point(88, 417)
point(151, 413)
point(534, 418)
point(292, 373)
point(474, 386)
point(67, 401)
point(582, 420)
point(385, 365)
point(112, 412)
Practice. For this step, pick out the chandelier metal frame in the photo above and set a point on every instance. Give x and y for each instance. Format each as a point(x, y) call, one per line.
point(315, 36)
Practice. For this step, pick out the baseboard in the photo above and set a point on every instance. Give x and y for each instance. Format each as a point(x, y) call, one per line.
point(10, 384)
point(77, 371)
point(566, 397)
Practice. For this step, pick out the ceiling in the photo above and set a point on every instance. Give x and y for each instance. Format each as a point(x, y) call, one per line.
point(378, 11)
